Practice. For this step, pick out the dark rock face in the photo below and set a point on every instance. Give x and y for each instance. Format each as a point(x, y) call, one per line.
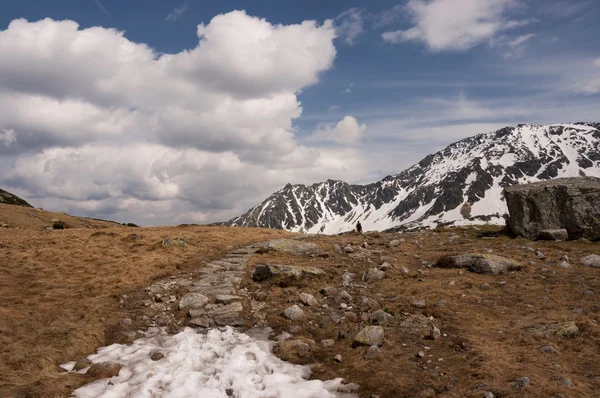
point(8, 198)
point(472, 172)
point(572, 204)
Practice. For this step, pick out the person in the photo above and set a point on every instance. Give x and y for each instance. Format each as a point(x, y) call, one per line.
point(358, 228)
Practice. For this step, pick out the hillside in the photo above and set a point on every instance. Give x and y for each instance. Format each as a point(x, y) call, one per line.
point(8, 198)
point(459, 185)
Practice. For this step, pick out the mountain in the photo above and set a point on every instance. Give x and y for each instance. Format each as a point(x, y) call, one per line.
point(459, 185)
point(8, 198)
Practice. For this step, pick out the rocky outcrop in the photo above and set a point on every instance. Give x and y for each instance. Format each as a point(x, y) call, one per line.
point(8, 198)
point(480, 263)
point(572, 204)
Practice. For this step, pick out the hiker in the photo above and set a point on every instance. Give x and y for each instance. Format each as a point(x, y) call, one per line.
point(358, 228)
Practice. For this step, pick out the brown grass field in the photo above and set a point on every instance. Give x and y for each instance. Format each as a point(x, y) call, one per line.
point(60, 289)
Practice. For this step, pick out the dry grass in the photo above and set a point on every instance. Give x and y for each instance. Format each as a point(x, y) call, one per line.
point(485, 343)
point(61, 288)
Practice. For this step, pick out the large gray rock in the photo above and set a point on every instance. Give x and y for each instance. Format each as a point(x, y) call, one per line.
point(289, 272)
point(292, 246)
point(193, 300)
point(553, 234)
point(591, 261)
point(294, 313)
point(369, 336)
point(563, 203)
point(480, 263)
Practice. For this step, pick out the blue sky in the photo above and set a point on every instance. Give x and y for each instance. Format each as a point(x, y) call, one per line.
point(124, 109)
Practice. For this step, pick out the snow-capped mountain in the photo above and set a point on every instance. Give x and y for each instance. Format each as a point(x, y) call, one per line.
point(461, 184)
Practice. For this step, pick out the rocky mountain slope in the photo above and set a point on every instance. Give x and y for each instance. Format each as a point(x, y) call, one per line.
point(459, 185)
point(8, 198)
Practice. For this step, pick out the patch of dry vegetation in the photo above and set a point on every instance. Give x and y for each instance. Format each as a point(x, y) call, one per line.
point(485, 344)
point(61, 288)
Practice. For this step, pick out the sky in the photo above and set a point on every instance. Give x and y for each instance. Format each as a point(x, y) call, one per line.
point(163, 112)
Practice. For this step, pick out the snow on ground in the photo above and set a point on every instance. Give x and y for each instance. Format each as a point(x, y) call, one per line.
point(203, 365)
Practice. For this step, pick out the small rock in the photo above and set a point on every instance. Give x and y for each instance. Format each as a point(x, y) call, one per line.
point(337, 249)
point(283, 336)
point(485, 286)
point(373, 274)
point(329, 291)
point(385, 266)
point(347, 278)
point(104, 370)
point(370, 335)
point(343, 306)
point(344, 297)
point(404, 270)
point(451, 283)
point(349, 249)
point(548, 349)
point(157, 356)
point(441, 303)
point(308, 299)
point(553, 234)
point(539, 254)
point(365, 245)
point(381, 317)
point(521, 382)
point(566, 381)
point(368, 304)
point(202, 322)
point(337, 358)
point(226, 298)
point(564, 264)
point(82, 364)
point(394, 243)
point(419, 303)
point(421, 354)
point(126, 322)
point(488, 394)
point(328, 343)
point(372, 352)
point(193, 300)
point(289, 349)
point(294, 313)
point(591, 261)
point(434, 332)
point(348, 388)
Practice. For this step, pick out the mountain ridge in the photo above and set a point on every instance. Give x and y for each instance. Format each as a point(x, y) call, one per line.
point(8, 198)
point(461, 184)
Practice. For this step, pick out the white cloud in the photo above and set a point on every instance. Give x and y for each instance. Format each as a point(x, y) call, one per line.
point(333, 108)
point(454, 24)
point(116, 126)
point(348, 89)
point(349, 25)
point(177, 13)
point(520, 40)
point(347, 131)
point(101, 6)
point(7, 137)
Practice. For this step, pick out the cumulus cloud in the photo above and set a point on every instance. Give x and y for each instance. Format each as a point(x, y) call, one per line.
point(454, 25)
point(349, 25)
point(115, 126)
point(347, 131)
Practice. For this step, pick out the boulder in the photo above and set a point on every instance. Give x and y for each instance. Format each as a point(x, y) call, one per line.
point(294, 313)
point(381, 317)
point(563, 203)
point(480, 263)
point(591, 261)
point(308, 299)
point(371, 335)
point(564, 329)
point(286, 272)
point(373, 274)
point(193, 300)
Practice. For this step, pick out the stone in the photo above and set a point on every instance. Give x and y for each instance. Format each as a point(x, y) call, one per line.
point(564, 329)
point(349, 249)
point(104, 370)
point(372, 352)
point(488, 394)
point(329, 291)
point(193, 301)
point(348, 388)
point(294, 313)
point(421, 354)
point(347, 278)
point(368, 304)
point(404, 270)
point(370, 335)
point(344, 297)
point(157, 356)
point(484, 286)
point(226, 298)
point(328, 343)
point(419, 303)
point(373, 274)
point(126, 322)
point(394, 243)
point(521, 382)
point(337, 358)
point(539, 254)
point(82, 364)
point(364, 245)
point(480, 263)
point(565, 265)
point(563, 203)
point(202, 322)
point(385, 266)
point(434, 332)
point(289, 349)
point(286, 272)
point(381, 317)
point(553, 234)
point(308, 299)
point(591, 261)
point(565, 380)
point(337, 249)
point(293, 246)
